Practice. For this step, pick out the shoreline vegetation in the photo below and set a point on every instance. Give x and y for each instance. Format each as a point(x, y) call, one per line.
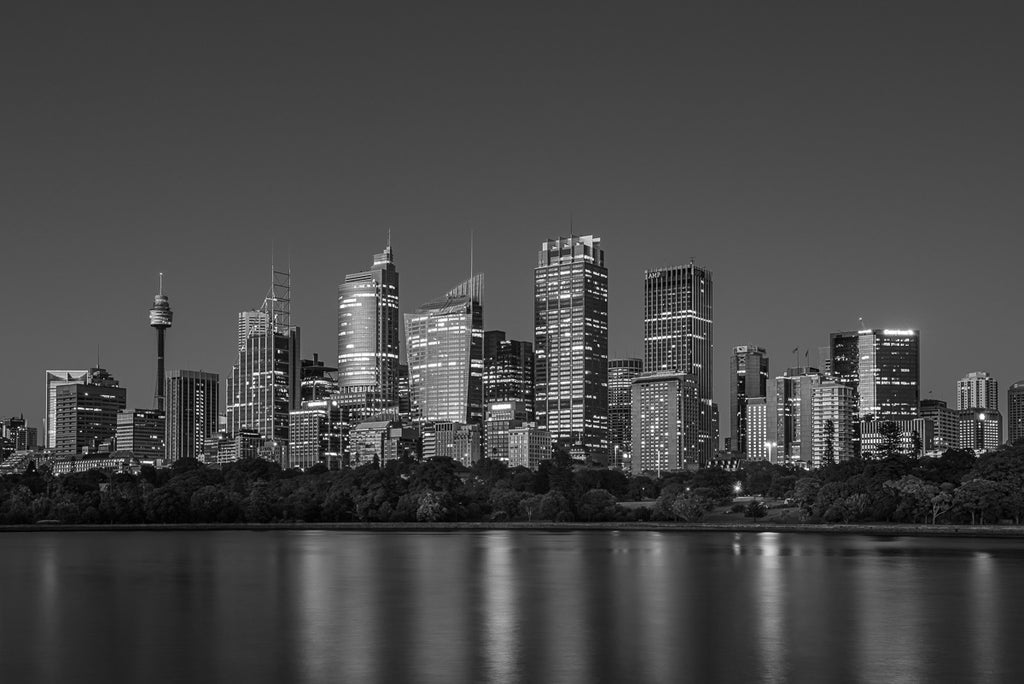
point(952, 494)
point(875, 530)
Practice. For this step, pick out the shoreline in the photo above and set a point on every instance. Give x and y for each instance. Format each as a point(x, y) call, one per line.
point(865, 529)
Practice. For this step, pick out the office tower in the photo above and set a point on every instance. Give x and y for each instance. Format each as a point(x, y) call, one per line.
point(446, 355)
point(825, 362)
point(756, 419)
point(502, 417)
point(666, 414)
point(160, 318)
point(223, 448)
point(193, 407)
point(980, 430)
point(1015, 412)
point(914, 437)
point(748, 371)
point(884, 367)
point(678, 338)
point(508, 371)
point(54, 379)
point(621, 373)
point(316, 435)
point(977, 390)
point(141, 431)
point(833, 423)
point(381, 441)
point(368, 336)
point(318, 381)
point(945, 423)
point(264, 383)
point(528, 447)
point(18, 434)
point(404, 393)
point(570, 285)
point(792, 407)
point(86, 413)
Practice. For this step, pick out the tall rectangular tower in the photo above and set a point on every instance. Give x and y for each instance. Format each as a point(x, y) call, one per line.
point(748, 373)
point(508, 371)
point(1015, 412)
point(86, 413)
point(571, 343)
point(54, 379)
point(264, 384)
point(884, 367)
point(368, 330)
point(977, 390)
point(678, 326)
point(193, 406)
point(621, 373)
point(445, 350)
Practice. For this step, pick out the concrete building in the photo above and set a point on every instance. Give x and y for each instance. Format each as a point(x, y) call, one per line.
point(666, 412)
point(55, 379)
point(142, 432)
point(977, 390)
point(945, 424)
point(756, 421)
point(501, 418)
point(86, 414)
point(1015, 412)
point(915, 437)
point(833, 423)
point(748, 373)
point(528, 446)
point(193, 408)
point(446, 439)
point(981, 430)
point(621, 373)
point(678, 327)
point(793, 409)
point(508, 371)
point(316, 435)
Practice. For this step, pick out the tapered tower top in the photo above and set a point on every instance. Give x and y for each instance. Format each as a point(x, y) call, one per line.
point(160, 316)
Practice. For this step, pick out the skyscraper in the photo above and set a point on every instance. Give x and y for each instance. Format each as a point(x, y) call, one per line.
point(792, 402)
point(54, 379)
point(445, 350)
point(86, 413)
point(316, 435)
point(508, 371)
point(264, 382)
point(1015, 412)
point(758, 446)
point(193, 405)
point(977, 390)
point(368, 336)
point(621, 373)
point(160, 318)
point(318, 381)
point(748, 372)
point(884, 367)
point(678, 326)
point(981, 430)
point(945, 423)
point(571, 343)
point(666, 411)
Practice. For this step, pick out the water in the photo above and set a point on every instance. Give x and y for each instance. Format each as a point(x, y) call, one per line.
point(507, 606)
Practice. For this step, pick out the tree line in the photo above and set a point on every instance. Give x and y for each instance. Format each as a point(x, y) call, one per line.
point(953, 488)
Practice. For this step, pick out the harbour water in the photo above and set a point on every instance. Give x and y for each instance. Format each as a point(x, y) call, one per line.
point(507, 606)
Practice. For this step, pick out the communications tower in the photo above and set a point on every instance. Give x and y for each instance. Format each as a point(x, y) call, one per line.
point(160, 317)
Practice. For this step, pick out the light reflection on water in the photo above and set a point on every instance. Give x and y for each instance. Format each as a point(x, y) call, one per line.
point(507, 606)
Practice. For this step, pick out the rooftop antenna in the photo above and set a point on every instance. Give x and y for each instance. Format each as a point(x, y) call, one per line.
point(471, 231)
point(570, 225)
point(161, 282)
point(861, 319)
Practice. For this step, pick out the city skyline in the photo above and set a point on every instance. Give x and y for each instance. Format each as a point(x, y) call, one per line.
point(658, 129)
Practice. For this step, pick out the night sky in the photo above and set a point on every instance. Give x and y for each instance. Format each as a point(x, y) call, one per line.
point(826, 162)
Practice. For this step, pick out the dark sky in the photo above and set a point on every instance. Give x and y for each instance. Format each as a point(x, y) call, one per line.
point(826, 163)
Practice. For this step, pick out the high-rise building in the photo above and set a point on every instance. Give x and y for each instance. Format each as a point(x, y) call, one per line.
point(86, 413)
point(678, 326)
point(981, 430)
point(756, 419)
point(316, 435)
point(16, 435)
point(160, 318)
point(457, 441)
point(141, 431)
point(193, 406)
point(446, 355)
point(884, 367)
point(264, 383)
point(666, 411)
point(793, 408)
point(404, 393)
point(748, 372)
point(1015, 412)
point(621, 373)
point(977, 390)
point(54, 379)
point(570, 285)
point(318, 381)
point(914, 437)
point(368, 335)
point(833, 423)
point(508, 371)
point(945, 423)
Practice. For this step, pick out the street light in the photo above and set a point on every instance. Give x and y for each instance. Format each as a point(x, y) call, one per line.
point(737, 488)
point(770, 446)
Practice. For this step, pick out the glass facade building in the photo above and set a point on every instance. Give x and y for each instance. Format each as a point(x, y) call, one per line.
point(368, 334)
point(193, 407)
point(571, 344)
point(678, 327)
point(1015, 412)
point(54, 379)
point(508, 371)
point(884, 367)
point(142, 432)
point(445, 348)
point(86, 413)
point(621, 373)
